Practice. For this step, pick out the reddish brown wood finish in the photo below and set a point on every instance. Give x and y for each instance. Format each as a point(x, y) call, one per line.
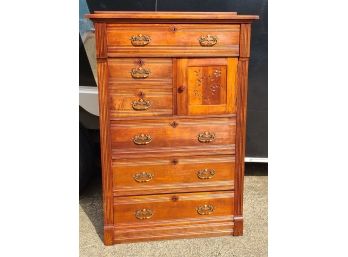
point(172, 39)
point(245, 36)
point(152, 191)
point(159, 99)
point(174, 228)
point(172, 175)
point(173, 216)
point(172, 206)
point(242, 84)
point(120, 70)
point(105, 141)
point(206, 86)
point(160, 17)
point(155, 89)
point(169, 133)
point(100, 38)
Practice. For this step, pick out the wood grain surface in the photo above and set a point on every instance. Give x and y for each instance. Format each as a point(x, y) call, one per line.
point(105, 142)
point(177, 39)
point(159, 100)
point(172, 206)
point(242, 84)
point(173, 229)
point(160, 17)
point(163, 134)
point(172, 99)
point(120, 69)
point(168, 175)
point(208, 86)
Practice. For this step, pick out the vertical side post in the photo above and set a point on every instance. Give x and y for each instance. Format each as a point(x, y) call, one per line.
point(242, 91)
point(102, 65)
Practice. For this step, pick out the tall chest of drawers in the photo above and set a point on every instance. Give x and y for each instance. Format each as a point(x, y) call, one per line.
point(172, 96)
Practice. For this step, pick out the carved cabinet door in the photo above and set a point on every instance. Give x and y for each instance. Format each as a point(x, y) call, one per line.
point(206, 86)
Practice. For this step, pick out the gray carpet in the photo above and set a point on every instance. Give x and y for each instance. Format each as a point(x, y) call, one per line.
point(252, 244)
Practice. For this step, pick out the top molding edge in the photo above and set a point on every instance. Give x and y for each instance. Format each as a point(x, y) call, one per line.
point(221, 16)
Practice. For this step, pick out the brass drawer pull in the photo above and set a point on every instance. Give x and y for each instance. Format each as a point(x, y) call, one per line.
point(140, 73)
point(207, 40)
point(141, 104)
point(206, 137)
point(140, 40)
point(205, 209)
point(143, 214)
point(142, 139)
point(205, 174)
point(142, 177)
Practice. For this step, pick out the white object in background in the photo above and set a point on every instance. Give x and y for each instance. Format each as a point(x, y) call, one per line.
point(89, 99)
point(256, 159)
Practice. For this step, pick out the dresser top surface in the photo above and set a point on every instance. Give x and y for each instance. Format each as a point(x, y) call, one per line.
point(177, 16)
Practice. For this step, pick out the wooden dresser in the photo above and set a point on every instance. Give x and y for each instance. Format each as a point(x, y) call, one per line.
point(172, 96)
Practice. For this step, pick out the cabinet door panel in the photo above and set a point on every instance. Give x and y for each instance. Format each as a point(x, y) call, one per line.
point(206, 86)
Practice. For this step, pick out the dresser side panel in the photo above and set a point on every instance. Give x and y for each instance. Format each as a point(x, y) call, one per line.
point(245, 35)
point(105, 142)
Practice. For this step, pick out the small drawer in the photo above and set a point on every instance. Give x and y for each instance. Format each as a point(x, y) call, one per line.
point(165, 133)
point(167, 175)
point(141, 100)
point(134, 70)
point(174, 39)
point(142, 209)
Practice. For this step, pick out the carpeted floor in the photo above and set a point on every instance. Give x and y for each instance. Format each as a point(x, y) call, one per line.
point(252, 244)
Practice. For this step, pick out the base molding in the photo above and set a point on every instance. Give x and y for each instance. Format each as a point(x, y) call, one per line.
point(238, 226)
point(108, 234)
point(189, 228)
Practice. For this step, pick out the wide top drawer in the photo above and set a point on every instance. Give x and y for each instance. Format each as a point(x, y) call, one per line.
point(172, 40)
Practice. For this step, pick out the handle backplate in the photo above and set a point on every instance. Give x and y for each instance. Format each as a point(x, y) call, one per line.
point(206, 173)
point(140, 40)
point(140, 73)
point(142, 139)
point(205, 209)
point(206, 137)
point(142, 177)
point(208, 40)
point(143, 214)
point(141, 105)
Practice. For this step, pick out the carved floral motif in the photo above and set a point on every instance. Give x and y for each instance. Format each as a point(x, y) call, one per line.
point(207, 83)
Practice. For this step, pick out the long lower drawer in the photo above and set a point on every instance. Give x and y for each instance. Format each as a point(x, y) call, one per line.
point(167, 216)
point(168, 175)
point(141, 209)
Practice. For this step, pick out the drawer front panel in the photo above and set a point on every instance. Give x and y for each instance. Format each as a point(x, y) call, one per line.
point(141, 100)
point(141, 209)
point(140, 70)
point(166, 175)
point(174, 39)
point(146, 134)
